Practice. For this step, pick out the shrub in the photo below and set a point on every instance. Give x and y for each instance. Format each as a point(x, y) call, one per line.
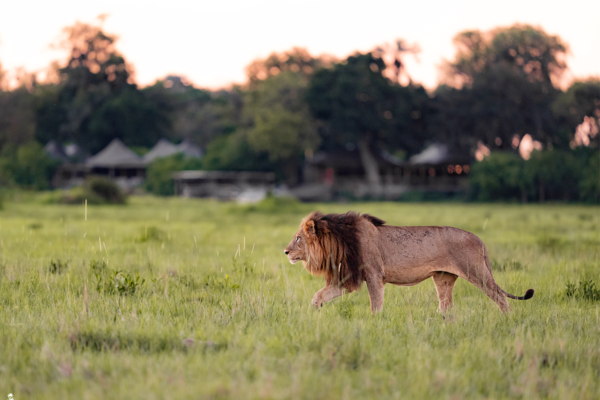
point(498, 177)
point(96, 190)
point(547, 175)
point(589, 185)
point(105, 189)
point(552, 175)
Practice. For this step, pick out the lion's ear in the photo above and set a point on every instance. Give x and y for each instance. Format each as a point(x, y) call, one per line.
point(310, 229)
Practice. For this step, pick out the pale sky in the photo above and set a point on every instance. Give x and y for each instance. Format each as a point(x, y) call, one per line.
point(210, 42)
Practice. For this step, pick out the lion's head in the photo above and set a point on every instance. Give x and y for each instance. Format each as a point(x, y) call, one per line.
point(328, 245)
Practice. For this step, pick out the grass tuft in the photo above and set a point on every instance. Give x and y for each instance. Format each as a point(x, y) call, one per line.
point(587, 290)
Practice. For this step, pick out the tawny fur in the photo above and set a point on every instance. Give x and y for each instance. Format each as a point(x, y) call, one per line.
point(348, 249)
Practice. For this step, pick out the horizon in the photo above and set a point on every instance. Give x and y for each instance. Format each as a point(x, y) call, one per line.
point(156, 50)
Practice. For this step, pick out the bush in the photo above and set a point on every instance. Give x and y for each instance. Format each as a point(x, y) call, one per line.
point(27, 166)
point(552, 175)
point(500, 176)
point(106, 189)
point(547, 175)
point(589, 185)
point(96, 190)
point(159, 174)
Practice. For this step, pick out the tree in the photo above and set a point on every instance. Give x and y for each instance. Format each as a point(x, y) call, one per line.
point(232, 152)
point(524, 49)
point(498, 106)
point(159, 175)
point(357, 105)
point(130, 116)
point(264, 125)
point(198, 115)
point(297, 60)
point(93, 80)
point(502, 88)
point(17, 118)
point(27, 166)
point(578, 112)
point(279, 121)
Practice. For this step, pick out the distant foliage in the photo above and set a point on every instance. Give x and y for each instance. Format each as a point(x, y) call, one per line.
point(27, 166)
point(498, 177)
point(589, 184)
point(547, 175)
point(159, 175)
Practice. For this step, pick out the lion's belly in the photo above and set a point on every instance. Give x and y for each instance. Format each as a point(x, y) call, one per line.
point(413, 254)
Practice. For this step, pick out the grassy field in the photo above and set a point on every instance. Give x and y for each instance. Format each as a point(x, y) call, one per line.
point(175, 298)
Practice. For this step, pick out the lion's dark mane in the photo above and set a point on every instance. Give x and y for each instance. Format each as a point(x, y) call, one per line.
point(338, 254)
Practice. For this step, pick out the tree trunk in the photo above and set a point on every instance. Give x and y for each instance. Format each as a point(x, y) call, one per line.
point(371, 168)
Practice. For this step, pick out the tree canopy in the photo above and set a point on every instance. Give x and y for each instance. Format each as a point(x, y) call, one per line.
point(523, 49)
point(95, 99)
point(357, 106)
point(501, 88)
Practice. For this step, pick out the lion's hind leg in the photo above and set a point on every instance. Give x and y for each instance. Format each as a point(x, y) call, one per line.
point(444, 283)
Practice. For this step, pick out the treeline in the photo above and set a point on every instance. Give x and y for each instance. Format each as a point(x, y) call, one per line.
point(502, 86)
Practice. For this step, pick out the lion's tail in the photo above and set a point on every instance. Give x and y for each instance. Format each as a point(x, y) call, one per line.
point(528, 295)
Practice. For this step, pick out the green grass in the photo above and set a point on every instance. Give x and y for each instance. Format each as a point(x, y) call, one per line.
point(195, 299)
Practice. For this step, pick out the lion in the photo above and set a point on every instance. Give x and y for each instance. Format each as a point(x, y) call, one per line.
point(349, 249)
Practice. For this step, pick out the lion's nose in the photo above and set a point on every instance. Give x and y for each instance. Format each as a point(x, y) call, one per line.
point(286, 252)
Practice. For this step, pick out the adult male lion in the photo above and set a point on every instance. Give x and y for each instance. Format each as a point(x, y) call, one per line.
point(351, 248)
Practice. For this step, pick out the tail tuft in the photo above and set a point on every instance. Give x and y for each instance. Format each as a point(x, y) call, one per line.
point(528, 294)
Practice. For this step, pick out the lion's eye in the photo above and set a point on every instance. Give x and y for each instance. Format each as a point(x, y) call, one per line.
point(297, 238)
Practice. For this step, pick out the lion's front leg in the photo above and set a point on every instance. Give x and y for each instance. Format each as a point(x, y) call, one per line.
point(326, 294)
point(376, 287)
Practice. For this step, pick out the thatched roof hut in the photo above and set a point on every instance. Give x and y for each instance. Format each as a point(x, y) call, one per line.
point(115, 155)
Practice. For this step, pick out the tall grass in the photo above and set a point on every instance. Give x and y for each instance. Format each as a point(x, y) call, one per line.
point(194, 299)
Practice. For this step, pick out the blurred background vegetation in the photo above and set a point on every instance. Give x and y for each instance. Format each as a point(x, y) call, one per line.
point(503, 85)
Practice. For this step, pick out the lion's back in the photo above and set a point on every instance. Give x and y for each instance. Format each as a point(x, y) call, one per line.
point(412, 245)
